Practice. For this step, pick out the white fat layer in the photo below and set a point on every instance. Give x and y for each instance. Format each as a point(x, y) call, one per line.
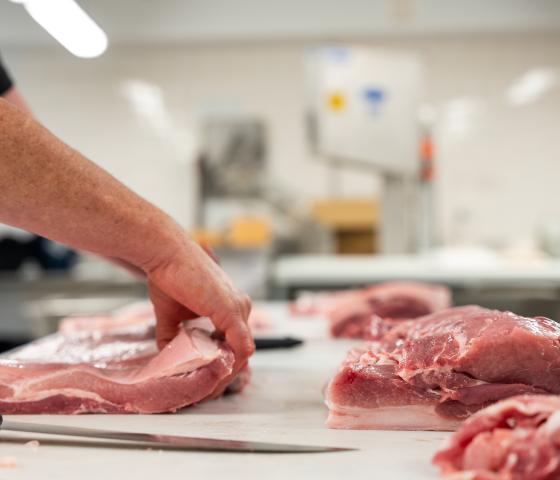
point(67, 392)
point(417, 417)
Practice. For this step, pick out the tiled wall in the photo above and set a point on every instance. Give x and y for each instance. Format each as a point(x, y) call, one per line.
point(499, 163)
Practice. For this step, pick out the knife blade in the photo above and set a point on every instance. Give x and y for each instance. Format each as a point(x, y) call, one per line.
point(166, 441)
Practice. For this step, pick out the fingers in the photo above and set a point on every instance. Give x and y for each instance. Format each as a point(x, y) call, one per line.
point(169, 316)
point(239, 338)
point(245, 306)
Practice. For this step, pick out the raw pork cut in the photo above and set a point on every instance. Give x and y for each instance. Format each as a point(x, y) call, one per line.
point(377, 309)
point(118, 370)
point(139, 313)
point(319, 303)
point(433, 372)
point(515, 439)
point(142, 313)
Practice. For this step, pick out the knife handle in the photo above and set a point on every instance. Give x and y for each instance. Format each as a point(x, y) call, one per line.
point(275, 342)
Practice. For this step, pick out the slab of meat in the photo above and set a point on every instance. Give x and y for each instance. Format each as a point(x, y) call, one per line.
point(116, 371)
point(142, 313)
point(374, 311)
point(515, 439)
point(435, 371)
point(319, 303)
point(139, 313)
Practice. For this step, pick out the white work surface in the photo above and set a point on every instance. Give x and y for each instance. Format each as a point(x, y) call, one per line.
point(284, 403)
point(454, 268)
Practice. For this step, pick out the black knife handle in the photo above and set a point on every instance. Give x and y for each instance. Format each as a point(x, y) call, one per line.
point(277, 342)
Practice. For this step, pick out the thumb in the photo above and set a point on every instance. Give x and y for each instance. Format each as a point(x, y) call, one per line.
point(169, 316)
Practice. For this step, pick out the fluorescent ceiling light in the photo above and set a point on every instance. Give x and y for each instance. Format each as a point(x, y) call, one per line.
point(532, 86)
point(69, 25)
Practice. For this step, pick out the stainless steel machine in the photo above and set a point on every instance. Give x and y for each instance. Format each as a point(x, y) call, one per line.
point(363, 106)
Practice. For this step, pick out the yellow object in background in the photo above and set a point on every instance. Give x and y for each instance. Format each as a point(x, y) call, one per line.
point(350, 213)
point(249, 233)
point(336, 101)
point(207, 237)
point(353, 222)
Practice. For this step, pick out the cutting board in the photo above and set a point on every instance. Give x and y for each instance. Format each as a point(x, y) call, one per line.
point(284, 403)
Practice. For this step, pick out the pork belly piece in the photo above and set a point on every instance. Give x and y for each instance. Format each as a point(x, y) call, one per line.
point(433, 372)
point(139, 313)
point(319, 303)
point(142, 314)
point(112, 372)
point(379, 308)
point(514, 439)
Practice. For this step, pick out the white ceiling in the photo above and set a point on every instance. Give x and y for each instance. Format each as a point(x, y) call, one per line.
point(163, 21)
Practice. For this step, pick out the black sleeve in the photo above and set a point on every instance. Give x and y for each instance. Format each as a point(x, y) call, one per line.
point(5, 80)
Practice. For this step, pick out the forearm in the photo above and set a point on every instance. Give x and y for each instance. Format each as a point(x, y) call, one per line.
point(50, 189)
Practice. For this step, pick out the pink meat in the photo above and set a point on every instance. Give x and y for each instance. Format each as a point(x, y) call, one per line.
point(140, 313)
point(515, 439)
point(115, 372)
point(259, 320)
point(311, 303)
point(377, 309)
point(433, 372)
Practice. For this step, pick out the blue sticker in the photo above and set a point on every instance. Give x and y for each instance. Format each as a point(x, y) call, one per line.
point(375, 97)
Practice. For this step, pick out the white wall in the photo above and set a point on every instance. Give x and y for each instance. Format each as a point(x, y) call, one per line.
point(499, 164)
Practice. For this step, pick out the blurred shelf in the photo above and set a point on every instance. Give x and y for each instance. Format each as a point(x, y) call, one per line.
point(331, 271)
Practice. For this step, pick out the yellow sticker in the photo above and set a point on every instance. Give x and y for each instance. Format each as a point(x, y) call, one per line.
point(336, 101)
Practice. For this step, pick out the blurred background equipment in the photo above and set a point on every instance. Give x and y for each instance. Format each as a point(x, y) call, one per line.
point(363, 105)
point(421, 142)
point(353, 222)
point(232, 158)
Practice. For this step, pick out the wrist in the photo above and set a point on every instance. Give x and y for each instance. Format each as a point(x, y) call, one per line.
point(158, 241)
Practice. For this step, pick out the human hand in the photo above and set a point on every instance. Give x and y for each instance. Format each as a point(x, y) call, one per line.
point(188, 284)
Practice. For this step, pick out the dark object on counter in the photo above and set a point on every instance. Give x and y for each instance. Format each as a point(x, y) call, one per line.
point(13, 253)
point(9, 344)
point(48, 254)
point(277, 342)
point(52, 255)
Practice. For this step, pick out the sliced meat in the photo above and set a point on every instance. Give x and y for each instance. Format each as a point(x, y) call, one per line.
point(375, 310)
point(515, 439)
point(433, 372)
point(259, 320)
point(140, 313)
point(114, 372)
point(319, 303)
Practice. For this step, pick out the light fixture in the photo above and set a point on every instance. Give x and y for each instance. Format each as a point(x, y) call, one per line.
point(147, 102)
point(67, 23)
point(532, 86)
